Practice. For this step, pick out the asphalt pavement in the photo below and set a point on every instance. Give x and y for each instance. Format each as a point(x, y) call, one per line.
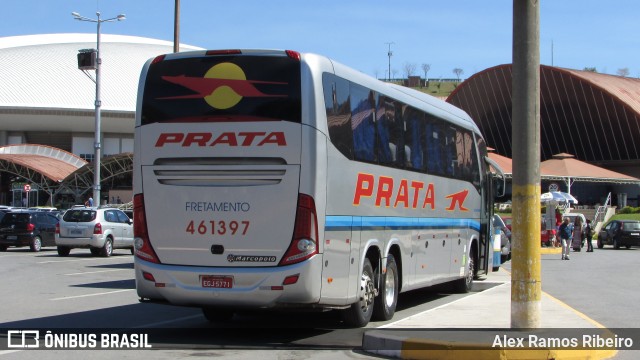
point(479, 327)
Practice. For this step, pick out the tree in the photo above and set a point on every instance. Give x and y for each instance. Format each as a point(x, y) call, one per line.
point(591, 69)
point(458, 72)
point(426, 68)
point(624, 72)
point(409, 68)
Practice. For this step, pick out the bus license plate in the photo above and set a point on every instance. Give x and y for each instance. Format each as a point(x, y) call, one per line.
point(215, 281)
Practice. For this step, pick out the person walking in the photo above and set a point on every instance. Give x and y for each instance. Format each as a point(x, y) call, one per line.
point(565, 235)
point(577, 234)
point(588, 236)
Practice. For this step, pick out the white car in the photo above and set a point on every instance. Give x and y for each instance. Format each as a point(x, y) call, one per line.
point(99, 229)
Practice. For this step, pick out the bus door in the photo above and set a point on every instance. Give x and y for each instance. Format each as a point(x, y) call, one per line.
point(494, 186)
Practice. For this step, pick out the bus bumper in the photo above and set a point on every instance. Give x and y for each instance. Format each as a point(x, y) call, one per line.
point(252, 287)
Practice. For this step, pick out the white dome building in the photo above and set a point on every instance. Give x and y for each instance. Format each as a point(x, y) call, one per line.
point(46, 100)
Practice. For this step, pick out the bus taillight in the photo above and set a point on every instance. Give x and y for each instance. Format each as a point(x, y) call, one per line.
point(141, 242)
point(305, 233)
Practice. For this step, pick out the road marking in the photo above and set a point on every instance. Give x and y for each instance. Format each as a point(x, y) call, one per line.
point(89, 295)
point(73, 260)
point(168, 322)
point(583, 316)
point(96, 272)
point(501, 283)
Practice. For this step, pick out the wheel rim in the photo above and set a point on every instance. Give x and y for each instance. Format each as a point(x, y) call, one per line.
point(389, 286)
point(109, 247)
point(469, 279)
point(368, 292)
point(37, 244)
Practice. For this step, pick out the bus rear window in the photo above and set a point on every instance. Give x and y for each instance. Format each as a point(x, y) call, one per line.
point(222, 88)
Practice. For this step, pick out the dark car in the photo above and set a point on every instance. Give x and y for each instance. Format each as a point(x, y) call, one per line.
point(27, 228)
point(620, 233)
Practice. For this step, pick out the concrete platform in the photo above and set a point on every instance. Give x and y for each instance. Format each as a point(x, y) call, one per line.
point(478, 326)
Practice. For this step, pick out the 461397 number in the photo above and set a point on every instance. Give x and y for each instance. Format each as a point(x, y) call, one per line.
point(219, 227)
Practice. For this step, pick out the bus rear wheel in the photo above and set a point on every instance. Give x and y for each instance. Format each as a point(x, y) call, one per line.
point(387, 299)
point(465, 284)
point(360, 312)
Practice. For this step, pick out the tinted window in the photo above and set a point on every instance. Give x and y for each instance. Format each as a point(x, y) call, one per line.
point(79, 215)
point(338, 108)
point(371, 127)
point(122, 217)
point(16, 219)
point(222, 88)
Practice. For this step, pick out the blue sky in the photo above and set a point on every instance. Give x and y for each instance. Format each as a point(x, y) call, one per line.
point(469, 34)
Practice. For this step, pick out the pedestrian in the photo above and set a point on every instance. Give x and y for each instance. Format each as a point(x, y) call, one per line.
point(589, 236)
point(565, 234)
point(556, 239)
point(89, 202)
point(577, 234)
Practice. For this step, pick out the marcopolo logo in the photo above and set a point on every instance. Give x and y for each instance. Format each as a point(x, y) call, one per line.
point(222, 87)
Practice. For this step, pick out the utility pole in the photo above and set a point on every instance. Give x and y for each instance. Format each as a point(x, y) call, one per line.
point(526, 286)
point(176, 27)
point(389, 53)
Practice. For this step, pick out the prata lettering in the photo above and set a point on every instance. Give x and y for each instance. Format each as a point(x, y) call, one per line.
point(203, 206)
point(246, 138)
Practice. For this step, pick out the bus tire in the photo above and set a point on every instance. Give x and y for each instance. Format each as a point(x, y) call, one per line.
point(385, 303)
point(359, 313)
point(465, 284)
point(215, 314)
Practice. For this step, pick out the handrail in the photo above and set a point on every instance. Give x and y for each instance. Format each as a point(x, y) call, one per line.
point(602, 210)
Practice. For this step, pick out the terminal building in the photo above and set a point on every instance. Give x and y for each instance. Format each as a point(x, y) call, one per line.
point(593, 117)
point(47, 117)
point(49, 104)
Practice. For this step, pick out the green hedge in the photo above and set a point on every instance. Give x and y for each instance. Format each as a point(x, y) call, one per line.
point(629, 210)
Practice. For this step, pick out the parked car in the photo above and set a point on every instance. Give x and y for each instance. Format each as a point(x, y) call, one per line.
point(620, 233)
point(27, 228)
point(505, 238)
point(547, 236)
point(507, 222)
point(99, 229)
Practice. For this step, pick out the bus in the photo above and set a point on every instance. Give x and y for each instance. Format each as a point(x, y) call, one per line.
point(280, 180)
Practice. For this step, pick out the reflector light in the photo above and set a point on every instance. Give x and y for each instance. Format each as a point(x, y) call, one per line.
point(148, 276)
point(289, 280)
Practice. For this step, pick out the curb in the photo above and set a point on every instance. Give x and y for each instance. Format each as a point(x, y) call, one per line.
point(550, 250)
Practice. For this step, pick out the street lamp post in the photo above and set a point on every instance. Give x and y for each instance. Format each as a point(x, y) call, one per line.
point(389, 53)
point(98, 104)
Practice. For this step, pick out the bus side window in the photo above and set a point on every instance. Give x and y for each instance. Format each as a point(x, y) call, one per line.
point(435, 146)
point(383, 124)
point(362, 124)
point(414, 135)
point(450, 158)
point(337, 105)
point(395, 128)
